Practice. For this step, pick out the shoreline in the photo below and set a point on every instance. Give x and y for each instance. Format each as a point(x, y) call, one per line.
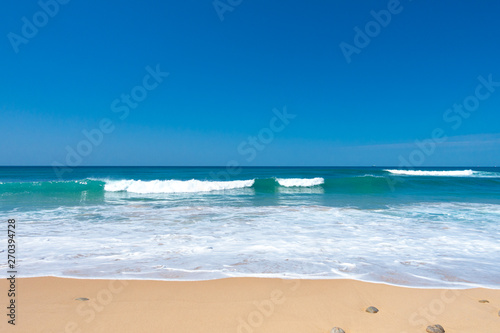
point(270, 277)
point(244, 305)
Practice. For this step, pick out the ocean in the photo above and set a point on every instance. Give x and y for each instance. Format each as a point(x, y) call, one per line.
point(429, 227)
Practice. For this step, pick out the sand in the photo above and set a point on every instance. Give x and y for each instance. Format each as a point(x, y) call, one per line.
point(243, 305)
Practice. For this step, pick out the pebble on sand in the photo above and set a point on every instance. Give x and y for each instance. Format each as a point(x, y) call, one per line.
point(81, 299)
point(372, 309)
point(483, 301)
point(435, 329)
point(337, 330)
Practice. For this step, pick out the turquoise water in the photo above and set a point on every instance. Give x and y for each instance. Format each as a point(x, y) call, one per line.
point(425, 227)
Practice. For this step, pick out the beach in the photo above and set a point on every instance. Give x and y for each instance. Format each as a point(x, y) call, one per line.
point(47, 304)
point(153, 249)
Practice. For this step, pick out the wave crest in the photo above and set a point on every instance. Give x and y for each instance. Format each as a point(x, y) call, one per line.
point(445, 173)
point(300, 182)
point(453, 173)
point(174, 186)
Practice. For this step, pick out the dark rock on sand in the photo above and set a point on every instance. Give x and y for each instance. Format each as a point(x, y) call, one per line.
point(337, 330)
point(372, 309)
point(435, 329)
point(81, 299)
point(483, 301)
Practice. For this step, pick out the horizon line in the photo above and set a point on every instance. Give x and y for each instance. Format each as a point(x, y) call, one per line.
point(256, 166)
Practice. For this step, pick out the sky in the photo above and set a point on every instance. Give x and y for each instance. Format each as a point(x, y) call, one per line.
point(257, 83)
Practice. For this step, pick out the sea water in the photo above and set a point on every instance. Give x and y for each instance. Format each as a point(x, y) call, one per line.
point(428, 227)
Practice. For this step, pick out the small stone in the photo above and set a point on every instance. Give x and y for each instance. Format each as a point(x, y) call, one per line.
point(81, 299)
point(499, 313)
point(435, 329)
point(439, 327)
point(337, 330)
point(483, 301)
point(372, 309)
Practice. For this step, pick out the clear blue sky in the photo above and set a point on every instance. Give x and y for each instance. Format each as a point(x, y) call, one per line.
point(226, 77)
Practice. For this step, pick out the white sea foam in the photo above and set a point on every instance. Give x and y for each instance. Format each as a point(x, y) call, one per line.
point(300, 182)
point(174, 186)
point(447, 173)
point(426, 244)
